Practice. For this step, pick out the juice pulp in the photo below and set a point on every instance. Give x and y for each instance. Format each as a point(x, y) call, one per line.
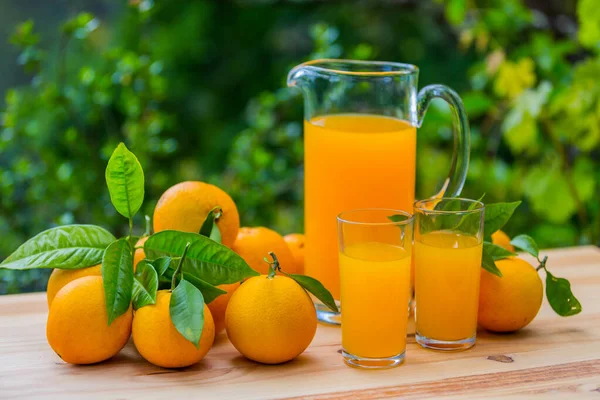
point(375, 281)
point(447, 272)
point(351, 161)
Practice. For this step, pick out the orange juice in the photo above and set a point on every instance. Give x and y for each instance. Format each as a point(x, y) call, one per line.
point(447, 271)
point(352, 161)
point(375, 281)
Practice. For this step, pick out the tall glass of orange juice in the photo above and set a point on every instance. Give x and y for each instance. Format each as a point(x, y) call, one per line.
point(360, 121)
point(447, 253)
point(375, 248)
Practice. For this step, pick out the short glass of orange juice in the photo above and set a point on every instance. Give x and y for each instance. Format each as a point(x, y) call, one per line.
point(375, 248)
point(447, 252)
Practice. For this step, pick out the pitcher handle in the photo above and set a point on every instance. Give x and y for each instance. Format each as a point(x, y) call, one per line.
point(462, 141)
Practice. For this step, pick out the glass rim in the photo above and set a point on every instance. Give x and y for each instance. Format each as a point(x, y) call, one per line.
point(419, 206)
point(367, 68)
point(409, 217)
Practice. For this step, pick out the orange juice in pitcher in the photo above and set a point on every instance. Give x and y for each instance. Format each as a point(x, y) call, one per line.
point(360, 149)
point(362, 144)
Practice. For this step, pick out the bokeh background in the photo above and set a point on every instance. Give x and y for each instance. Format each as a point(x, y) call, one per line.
point(197, 90)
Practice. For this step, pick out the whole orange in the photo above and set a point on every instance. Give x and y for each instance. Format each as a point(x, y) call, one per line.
point(295, 242)
point(139, 254)
point(218, 306)
point(160, 343)
point(77, 327)
point(510, 302)
point(503, 240)
point(270, 319)
point(254, 244)
point(60, 277)
point(185, 206)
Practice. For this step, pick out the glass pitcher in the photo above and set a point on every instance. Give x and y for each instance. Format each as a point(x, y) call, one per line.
point(360, 121)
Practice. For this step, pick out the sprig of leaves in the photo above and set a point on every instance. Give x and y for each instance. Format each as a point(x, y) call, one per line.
point(125, 182)
point(558, 290)
point(207, 259)
point(309, 284)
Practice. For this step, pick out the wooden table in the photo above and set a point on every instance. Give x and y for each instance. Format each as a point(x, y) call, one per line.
point(552, 356)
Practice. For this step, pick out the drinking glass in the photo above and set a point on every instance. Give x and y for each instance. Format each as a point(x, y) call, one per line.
point(375, 248)
point(447, 251)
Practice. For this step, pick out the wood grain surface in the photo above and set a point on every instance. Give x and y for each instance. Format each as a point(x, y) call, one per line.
point(552, 357)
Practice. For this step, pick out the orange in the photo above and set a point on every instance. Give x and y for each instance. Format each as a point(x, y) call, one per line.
point(218, 306)
point(270, 320)
point(77, 328)
point(60, 277)
point(510, 302)
point(184, 207)
point(160, 343)
point(503, 240)
point(295, 242)
point(139, 254)
point(254, 244)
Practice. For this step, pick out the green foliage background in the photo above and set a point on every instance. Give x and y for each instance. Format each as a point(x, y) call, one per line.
point(197, 90)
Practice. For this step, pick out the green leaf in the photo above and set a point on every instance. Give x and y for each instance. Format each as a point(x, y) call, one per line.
point(187, 311)
point(561, 298)
point(117, 276)
point(496, 216)
point(210, 261)
point(527, 244)
point(209, 291)
point(496, 252)
point(316, 288)
point(65, 247)
point(209, 228)
point(487, 262)
point(145, 285)
point(161, 264)
point(125, 181)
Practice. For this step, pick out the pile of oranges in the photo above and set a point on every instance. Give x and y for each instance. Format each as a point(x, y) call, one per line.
point(269, 320)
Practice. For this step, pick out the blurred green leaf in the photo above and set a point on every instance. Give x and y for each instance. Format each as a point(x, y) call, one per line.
point(24, 35)
point(547, 189)
point(477, 103)
point(521, 133)
point(456, 10)
point(80, 26)
point(588, 14)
